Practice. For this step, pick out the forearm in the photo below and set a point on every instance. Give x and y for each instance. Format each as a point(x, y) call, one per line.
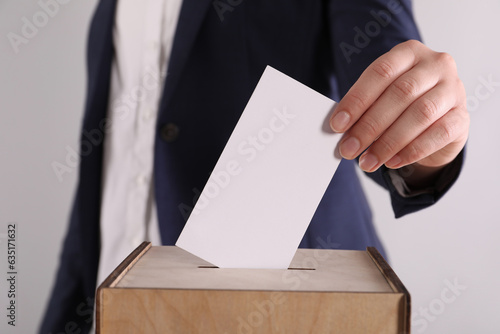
point(419, 177)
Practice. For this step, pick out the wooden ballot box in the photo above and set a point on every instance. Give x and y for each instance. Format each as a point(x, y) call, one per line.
point(168, 290)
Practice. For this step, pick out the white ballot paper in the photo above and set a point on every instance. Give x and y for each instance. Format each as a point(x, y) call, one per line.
point(268, 181)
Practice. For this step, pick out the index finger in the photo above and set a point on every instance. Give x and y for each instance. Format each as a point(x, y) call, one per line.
point(372, 83)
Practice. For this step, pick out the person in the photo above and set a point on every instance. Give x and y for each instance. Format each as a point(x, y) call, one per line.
point(168, 80)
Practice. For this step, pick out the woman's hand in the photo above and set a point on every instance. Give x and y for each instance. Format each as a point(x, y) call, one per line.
point(408, 107)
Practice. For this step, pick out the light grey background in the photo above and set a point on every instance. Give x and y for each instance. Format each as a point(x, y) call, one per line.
point(41, 99)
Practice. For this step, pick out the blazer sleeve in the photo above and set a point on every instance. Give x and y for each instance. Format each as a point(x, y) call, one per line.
point(360, 31)
point(69, 309)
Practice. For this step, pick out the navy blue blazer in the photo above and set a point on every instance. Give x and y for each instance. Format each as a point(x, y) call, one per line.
point(219, 53)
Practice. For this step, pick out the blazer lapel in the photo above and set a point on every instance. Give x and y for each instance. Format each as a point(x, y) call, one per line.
point(87, 205)
point(99, 58)
point(191, 17)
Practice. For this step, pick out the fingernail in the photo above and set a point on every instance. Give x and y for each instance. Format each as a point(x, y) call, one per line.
point(349, 148)
point(367, 162)
point(339, 121)
point(393, 162)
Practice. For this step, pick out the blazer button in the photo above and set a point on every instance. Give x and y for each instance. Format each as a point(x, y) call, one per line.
point(169, 132)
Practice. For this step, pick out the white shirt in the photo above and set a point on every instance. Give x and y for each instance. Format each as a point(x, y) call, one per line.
point(142, 36)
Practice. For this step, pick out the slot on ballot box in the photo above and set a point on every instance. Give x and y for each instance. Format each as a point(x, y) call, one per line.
point(165, 289)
